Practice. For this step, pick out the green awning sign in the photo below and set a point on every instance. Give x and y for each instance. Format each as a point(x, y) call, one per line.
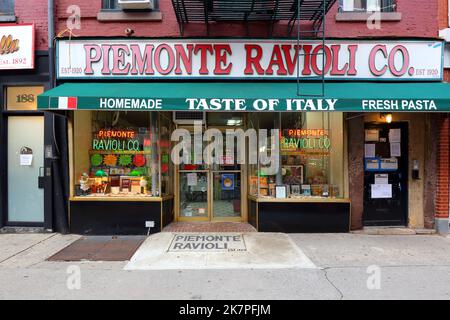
point(249, 97)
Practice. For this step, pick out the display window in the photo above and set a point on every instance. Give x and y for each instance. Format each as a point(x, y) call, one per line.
point(121, 154)
point(311, 150)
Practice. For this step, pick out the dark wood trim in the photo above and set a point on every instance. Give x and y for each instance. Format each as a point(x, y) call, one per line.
point(355, 134)
point(303, 217)
point(48, 185)
point(3, 160)
point(114, 218)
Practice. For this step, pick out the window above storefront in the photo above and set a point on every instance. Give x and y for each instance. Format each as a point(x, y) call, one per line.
point(368, 10)
point(7, 11)
point(139, 10)
point(368, 5)
point(114, 5)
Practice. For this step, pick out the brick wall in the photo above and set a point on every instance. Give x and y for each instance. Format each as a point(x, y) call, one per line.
point(420, 19)
point(442, 199)
point(35, 11)
point(443, 164)
point(447, 75)
point(443, 14)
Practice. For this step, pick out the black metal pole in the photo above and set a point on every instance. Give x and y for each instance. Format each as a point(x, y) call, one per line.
point(56, 147)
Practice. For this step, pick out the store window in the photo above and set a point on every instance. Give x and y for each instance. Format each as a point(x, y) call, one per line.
point(368, 5)
point(6, 7)
point(114, 4)
point(121, 154)
point(166, 164)
point(311, 156)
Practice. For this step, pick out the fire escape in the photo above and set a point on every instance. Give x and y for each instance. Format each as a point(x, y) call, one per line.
point(308, 16)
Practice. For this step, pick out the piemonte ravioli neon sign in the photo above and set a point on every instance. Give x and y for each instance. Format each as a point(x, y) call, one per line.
point(116, 140)
point(305, 140)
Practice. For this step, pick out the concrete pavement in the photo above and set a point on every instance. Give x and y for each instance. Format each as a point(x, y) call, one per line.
point(400, 267)
point(251, 250)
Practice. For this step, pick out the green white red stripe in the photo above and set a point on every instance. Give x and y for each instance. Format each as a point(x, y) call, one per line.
point(67, 103)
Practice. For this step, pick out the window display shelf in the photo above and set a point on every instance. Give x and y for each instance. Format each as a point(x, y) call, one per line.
point(108, 197)
point(299, 199)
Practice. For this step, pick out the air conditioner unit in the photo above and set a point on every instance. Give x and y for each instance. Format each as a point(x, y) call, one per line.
point(136, 4)
point(189, 117)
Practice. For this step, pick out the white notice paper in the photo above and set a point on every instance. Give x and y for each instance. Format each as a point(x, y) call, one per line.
point(382, 178)
point(395, 149)
point(369, 150)
point(381, 191)
point(192, 179)
point(26, 159)
point(395, 135)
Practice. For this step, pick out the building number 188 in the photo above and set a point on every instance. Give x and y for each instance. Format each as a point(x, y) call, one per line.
point(24, 98)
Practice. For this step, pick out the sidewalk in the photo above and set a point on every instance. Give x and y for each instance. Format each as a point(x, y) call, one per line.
point(411, 267)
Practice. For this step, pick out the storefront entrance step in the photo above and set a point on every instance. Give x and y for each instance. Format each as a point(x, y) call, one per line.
point(23, 230)
point(253, 250)
point(386, 231)
point(100, 248)
point(209, 227)
point(425, 231)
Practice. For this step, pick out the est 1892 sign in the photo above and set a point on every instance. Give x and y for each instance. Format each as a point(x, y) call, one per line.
point(249, 59)
point(16, 46)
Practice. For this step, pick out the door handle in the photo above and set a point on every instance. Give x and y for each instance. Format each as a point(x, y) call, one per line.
point(41, 178)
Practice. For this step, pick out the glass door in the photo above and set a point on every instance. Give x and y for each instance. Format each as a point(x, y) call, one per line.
point(194, 195)
point(25, 163)
point(226, 194)
point(210, 192)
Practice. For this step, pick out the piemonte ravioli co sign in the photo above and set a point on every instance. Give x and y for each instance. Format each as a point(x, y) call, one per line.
point(248, 59)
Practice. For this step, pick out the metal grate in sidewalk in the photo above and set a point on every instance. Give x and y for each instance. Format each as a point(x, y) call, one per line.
point(100, 248)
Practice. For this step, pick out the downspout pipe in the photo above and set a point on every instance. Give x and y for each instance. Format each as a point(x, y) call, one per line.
point(48, 129)
point(51, 35)
point(56, 130)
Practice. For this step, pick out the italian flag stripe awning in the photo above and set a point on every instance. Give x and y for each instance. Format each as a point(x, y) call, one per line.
point(249, 96)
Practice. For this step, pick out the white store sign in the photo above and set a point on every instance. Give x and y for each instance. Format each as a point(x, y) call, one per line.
point(16, 46)
point(248, 59)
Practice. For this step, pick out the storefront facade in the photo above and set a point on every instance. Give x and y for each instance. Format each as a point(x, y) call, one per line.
point(25, 193)
point(130, 102)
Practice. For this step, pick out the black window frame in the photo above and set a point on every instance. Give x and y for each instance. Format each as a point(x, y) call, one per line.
point(113, 5)
point(386, 6)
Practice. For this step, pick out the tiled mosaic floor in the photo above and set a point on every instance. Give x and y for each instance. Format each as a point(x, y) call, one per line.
point(209, 227)
point(222, 208)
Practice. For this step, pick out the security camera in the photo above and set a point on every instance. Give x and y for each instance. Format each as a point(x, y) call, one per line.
point(129, 32)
